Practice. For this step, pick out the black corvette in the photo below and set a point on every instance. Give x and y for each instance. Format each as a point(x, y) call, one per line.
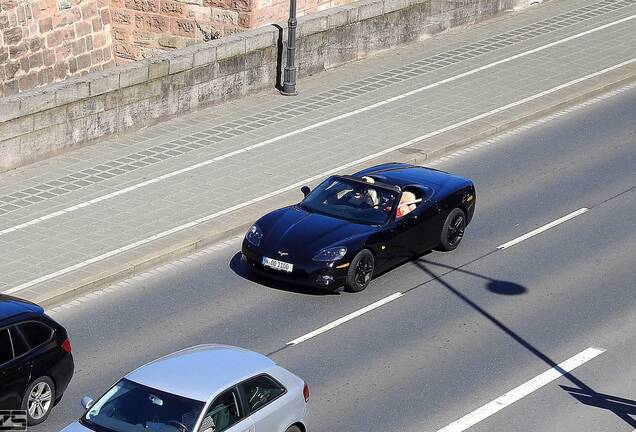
point(351, 227)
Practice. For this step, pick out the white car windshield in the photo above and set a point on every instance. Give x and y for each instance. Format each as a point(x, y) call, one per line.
point(132, 407)
point(355, 201)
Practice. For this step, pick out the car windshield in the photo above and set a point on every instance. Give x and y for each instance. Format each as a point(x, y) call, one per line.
point(358, 202)
point(132, 407)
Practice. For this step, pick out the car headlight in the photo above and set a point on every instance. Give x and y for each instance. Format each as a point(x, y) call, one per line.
point(331, 254)
point(254, 235)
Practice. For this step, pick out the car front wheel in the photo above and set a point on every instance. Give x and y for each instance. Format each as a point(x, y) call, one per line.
point(360, 271)
point(293, 429)
point(453, 230)
point(38, 400)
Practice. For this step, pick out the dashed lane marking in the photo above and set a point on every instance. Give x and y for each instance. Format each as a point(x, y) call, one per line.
point(345, 318)
point(543, 228)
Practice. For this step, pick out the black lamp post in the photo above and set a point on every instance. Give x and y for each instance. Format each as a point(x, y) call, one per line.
point(289, 82)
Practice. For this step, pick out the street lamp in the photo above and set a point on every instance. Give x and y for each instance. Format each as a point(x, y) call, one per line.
point(289, 83)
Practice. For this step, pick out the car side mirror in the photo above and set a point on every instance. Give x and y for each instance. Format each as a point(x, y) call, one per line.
point(87, 402)
point(305, 190)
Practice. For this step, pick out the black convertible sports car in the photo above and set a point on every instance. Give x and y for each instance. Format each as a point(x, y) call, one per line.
point(351, 227)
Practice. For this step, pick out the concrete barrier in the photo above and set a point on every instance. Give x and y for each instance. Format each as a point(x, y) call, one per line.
point(58, 117)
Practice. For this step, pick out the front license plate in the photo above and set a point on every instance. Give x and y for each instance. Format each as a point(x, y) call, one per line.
point(278, 265)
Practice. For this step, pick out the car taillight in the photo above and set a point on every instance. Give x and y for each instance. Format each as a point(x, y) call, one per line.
point(66, 345)
point(306, 392)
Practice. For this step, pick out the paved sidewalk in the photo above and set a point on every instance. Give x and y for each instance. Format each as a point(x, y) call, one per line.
point(111, 209)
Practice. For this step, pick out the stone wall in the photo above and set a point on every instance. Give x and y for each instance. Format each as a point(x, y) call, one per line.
point(43, 41)
point(62, 116)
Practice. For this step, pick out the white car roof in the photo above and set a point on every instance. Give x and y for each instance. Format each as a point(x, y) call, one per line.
point(200, 372)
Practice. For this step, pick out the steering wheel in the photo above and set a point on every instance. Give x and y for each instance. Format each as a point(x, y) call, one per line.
point(180, 426)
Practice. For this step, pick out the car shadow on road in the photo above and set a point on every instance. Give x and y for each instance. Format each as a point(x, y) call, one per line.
point(623, 408)
point(241, 270)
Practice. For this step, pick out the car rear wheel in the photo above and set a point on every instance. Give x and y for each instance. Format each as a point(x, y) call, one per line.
point(360, 271)
point(38, 400)
point(453, 230)
point(293, 429)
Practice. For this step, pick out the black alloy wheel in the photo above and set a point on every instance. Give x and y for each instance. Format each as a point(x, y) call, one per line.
point(453, 230)
point(360, 271)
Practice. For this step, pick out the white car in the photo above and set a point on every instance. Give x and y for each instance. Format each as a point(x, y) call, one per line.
point(206, 388)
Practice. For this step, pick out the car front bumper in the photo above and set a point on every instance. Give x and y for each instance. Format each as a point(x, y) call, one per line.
point(318, 275)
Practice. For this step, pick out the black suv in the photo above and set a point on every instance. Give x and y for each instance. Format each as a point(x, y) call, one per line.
point(36, 363)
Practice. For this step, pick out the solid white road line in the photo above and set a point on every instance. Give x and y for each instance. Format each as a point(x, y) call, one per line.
point(311, 179)
point(543, 228)
point(346, 318)
point(310, 127)
point(523, 390)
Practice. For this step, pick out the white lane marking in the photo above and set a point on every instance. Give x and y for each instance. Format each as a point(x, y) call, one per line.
point(543, 228)
point(521, 391)
point(308, 180)
point(346, 318)
point(310, 127)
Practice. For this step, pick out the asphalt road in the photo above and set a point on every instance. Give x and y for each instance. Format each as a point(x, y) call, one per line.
point(472, 324)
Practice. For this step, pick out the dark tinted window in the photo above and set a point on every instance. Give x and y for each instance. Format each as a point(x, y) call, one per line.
point(6, 353)
point(19, 345)
point(223, 413)
point(261, 390)
point(35, 333)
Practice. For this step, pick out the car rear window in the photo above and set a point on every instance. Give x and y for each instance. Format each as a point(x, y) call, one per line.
point(6, 353)
point(35, 333)
point(261, 390)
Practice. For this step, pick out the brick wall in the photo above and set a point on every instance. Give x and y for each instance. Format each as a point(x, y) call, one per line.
point(141, 28)
point(43, 41)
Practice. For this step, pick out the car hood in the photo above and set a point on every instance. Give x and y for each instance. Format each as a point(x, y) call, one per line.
point(76, 427)
point(301, 233)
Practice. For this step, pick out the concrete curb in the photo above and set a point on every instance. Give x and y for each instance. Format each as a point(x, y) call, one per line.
point(413, 155)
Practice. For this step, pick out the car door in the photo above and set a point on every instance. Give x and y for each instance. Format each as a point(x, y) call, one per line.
point(418, 230)
point(36, 338)
point(226, 414)
point(266, 403)
point(14, 373)
point(379, 243)
point(426, 229)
